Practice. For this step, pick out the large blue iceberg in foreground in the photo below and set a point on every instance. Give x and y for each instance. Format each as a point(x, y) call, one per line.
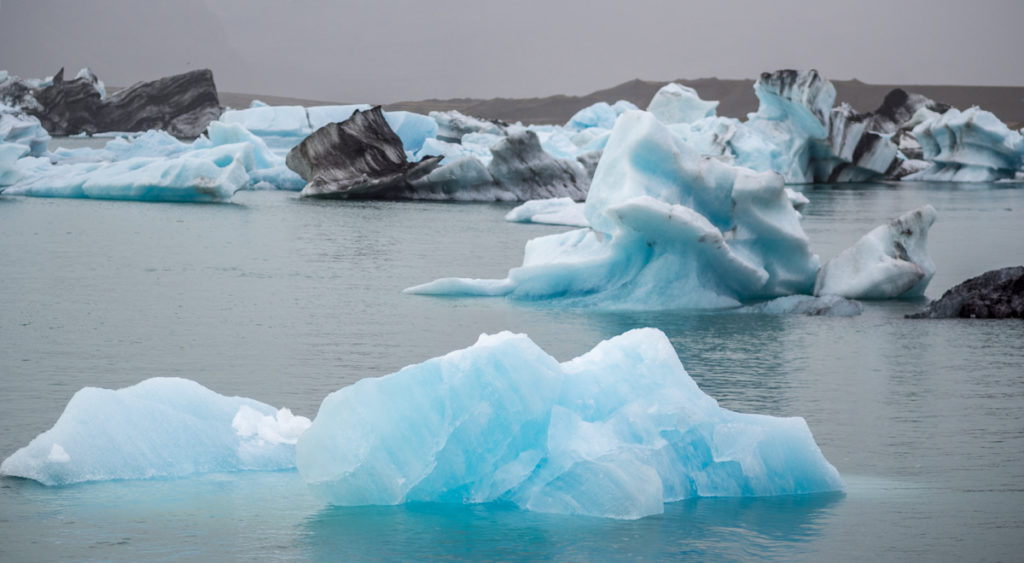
point(616, 432)
point(161, 427)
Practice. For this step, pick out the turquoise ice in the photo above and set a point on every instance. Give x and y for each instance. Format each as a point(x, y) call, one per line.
point(616, 432)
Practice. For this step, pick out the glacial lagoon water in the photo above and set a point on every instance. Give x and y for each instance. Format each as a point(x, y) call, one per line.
point(285, 300)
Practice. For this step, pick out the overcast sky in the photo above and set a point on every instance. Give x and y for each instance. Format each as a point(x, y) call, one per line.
point(383, 51)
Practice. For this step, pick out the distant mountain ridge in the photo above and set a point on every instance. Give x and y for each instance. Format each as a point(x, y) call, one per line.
point(736, 99)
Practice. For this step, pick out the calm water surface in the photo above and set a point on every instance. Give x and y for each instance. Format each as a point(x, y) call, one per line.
point(285, 301)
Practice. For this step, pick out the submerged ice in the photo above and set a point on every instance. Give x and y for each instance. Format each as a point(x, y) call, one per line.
point(616, 432)
point(161, 427)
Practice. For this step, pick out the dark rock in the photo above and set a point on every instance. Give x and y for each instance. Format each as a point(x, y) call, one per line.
point(361, 157)
point(183, 104)
point(998, 294)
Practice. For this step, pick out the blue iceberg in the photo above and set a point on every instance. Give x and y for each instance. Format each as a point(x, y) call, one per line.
point(18, 127)
point(552, 211)
point(161, 427)
point(669, 229)
point(205, 175)
point(616, 432)
point(967, 146)
point(675, 103)
point(601, 115)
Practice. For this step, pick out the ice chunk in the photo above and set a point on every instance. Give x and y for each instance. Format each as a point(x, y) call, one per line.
point(601, 115)
point(271, 120)
point(360, 157)
point(554, 211)
point(20, 128)
point(208, 175)
point(412, 128)
point(710, 136)
point(890, 261)
point(824, 306)
point(161, 427)
point(452, 125)
point(615, 433)
point(675, 103)
point(670, 229)
point(968, 146)
point(322, 115)
point(788, 132)
point(9, 155)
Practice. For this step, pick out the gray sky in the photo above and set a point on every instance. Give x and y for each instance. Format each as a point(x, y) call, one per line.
point(383, 51)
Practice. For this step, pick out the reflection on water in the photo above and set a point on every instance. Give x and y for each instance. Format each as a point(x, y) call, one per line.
point(765, 528)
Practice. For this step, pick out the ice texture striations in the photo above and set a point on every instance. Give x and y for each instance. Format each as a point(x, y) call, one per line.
point(161, 427)
point(890, 261)
point(967, 146)
point(616, 433)
point(669, 229)
point(788, 132)
point(363, 157)
point(360, 157)
point(202, 175)
point(182, 104)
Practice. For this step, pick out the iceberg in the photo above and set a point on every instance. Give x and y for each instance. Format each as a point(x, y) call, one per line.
point(789, 130)
point(967, 146)
point(601, 115)
point(9, 155)
point(890, 261)
point(20, 128)
point(363, 157)
point(182, 104)
point(209, 175)
point(615, 433)
point(553, 211)
point(360, 157)
point(669, 229)
point(675, 103)
point(159, 428)
point(452, 125)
